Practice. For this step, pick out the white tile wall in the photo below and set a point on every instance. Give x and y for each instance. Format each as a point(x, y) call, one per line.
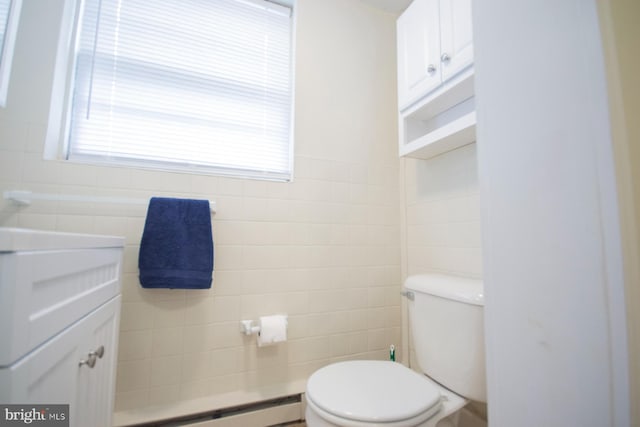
point(325, 249)
point(443, 214)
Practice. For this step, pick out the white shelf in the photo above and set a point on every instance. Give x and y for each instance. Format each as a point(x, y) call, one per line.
point(441, 121)
point(455, 134)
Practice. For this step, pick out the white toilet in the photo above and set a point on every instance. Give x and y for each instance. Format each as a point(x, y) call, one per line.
point(446, 323)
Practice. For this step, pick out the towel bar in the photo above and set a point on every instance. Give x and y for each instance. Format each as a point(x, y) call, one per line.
point(26, 197)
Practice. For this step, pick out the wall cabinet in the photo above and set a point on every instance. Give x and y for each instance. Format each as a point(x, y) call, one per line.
point(435, 54)
point(59, 318)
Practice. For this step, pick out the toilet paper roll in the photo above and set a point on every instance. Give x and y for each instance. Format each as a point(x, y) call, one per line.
point(273, 329)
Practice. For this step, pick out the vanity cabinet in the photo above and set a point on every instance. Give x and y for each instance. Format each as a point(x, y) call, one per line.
point(60, 297)
point(76, 367)
point(435, 75)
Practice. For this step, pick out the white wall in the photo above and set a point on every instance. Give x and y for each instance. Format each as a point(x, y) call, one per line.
point(555, 311)
point(325, 249)
point(621, 35)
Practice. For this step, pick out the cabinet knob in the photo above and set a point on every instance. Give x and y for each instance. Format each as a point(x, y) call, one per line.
point(431, 69)
point(90, 361)
point(98, 352)
point(445, 57)
point(94, 355)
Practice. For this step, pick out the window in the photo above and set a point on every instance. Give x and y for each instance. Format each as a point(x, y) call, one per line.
point(203, 85)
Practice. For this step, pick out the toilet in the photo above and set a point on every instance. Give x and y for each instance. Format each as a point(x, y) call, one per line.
point(446, 324)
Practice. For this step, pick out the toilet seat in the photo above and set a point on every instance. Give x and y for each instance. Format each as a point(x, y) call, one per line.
point(366, 392)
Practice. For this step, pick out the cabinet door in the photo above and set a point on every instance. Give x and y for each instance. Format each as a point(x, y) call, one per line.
point(456, 36)
point(418, 51)
point(52, 373)
point(95, 392)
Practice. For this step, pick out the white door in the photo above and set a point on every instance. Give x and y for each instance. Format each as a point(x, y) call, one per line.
point(418, 51)
point(456, 37)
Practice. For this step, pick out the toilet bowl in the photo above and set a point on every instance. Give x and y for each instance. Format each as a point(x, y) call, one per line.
point(446, 317)
point(370, 393)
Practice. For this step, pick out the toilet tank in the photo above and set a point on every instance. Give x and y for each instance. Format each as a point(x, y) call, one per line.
point(447, 328)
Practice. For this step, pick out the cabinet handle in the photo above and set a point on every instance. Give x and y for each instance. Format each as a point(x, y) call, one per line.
point(445, 57)
point(431, 69)
point(90, 361)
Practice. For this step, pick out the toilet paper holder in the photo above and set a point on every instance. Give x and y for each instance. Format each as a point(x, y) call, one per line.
point(247, 328)
point(270, 330)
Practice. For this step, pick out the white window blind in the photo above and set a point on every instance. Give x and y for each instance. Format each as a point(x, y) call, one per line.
point(197, 84)
point(5, 5)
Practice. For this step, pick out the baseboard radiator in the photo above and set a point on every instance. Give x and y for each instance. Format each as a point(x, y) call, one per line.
point(274, 412)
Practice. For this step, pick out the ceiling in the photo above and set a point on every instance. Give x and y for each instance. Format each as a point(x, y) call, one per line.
point(394, 6)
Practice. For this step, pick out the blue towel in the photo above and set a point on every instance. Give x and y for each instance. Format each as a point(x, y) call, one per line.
point(176, 250)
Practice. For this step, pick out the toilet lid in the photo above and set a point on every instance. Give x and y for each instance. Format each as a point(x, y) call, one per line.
point(371, 391)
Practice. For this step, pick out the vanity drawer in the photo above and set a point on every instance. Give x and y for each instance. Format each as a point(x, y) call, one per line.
point(43, 292)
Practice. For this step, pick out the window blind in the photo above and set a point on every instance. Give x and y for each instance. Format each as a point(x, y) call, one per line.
point(4, 18)
point(198, 84)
